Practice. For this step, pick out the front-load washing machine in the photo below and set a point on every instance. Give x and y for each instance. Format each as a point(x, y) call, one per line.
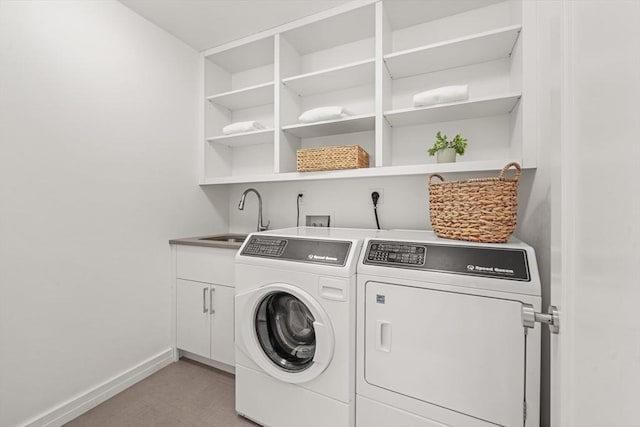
point(441, 336)
point(295, 326)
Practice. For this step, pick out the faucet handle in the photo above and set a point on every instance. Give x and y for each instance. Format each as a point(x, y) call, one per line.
point(265, 227)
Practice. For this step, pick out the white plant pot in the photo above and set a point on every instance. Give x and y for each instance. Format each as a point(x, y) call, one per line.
point(446, 155)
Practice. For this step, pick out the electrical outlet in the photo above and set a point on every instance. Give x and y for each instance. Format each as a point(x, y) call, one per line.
point(318, 220)
point(300, 199)
point(380, 199)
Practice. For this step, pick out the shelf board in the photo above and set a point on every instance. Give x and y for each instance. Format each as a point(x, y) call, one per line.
point(474, 49)
point(482, 107)
point(332, 79)
point(352, 124)
point(263, 136)
point(244, 98)
point(404, 170)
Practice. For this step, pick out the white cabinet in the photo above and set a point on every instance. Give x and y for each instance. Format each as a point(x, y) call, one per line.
point(205, 320)
point(204, 302)
point(372, 57)
point(205, 264)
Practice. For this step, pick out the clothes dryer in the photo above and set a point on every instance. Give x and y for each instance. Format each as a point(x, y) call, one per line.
point(441, 338)
point(295, 326)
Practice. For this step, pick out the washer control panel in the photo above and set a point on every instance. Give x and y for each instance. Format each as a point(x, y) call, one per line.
point(312, 251)
point(265, 246)
point(397, 253)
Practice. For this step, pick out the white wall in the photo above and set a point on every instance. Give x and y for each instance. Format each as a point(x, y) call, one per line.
point(404, 204)
point(97, 173)
point(598, 206)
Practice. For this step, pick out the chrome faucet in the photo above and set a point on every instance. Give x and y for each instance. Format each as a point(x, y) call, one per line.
point(241, 207)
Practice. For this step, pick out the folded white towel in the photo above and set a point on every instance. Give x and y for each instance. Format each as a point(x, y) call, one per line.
point(241, 127)
point(441, 95)
point(324, 113)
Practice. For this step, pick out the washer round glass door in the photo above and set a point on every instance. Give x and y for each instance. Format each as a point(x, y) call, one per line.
point(284, 326)
point(284, 330)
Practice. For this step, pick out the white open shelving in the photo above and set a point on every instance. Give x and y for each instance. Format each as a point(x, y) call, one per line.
point(238, 83)
point(372, 57)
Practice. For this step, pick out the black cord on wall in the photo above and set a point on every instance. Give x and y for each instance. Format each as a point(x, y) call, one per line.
point(298, 209)
point(374, 198)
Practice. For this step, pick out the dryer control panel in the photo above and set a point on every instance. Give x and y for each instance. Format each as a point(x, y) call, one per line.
point(483, 261)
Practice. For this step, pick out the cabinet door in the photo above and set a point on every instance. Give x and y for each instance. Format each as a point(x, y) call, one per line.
point(222, 345)
point(193, 320)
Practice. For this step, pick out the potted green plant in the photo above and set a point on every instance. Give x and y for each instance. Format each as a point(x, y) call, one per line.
point(446, 150)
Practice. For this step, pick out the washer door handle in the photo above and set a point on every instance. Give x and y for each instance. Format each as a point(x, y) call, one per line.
point(383, 336)
point(324, 346)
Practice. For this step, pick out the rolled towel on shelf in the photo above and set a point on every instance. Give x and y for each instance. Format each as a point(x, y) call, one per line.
point(324, 113)
point(441, 95)
point(242, 127)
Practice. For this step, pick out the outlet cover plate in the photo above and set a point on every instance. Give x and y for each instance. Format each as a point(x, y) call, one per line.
point(318, 220)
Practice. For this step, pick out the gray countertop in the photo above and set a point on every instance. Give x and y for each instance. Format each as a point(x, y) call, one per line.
point(225, 240)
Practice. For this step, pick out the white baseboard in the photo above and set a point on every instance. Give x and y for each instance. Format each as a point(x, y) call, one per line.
point(92, 398)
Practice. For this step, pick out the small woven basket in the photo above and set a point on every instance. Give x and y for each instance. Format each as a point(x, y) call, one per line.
point(332, 158)
point(475, 210)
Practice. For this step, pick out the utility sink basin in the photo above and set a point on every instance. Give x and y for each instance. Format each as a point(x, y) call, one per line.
point(226, 240)
point(231, 238)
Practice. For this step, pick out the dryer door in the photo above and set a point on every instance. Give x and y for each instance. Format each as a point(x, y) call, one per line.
point(462, 352)
point(285, 331)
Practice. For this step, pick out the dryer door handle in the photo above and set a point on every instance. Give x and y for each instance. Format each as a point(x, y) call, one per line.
point(383, 336)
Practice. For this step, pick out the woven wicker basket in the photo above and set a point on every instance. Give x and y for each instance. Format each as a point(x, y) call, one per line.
point(476, 210)
point(332, 158)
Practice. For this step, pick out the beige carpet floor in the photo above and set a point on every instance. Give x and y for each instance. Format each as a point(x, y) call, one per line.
point(183, 394)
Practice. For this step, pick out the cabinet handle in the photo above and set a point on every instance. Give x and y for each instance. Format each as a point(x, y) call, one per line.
point(204, 300)
point(211, 300)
